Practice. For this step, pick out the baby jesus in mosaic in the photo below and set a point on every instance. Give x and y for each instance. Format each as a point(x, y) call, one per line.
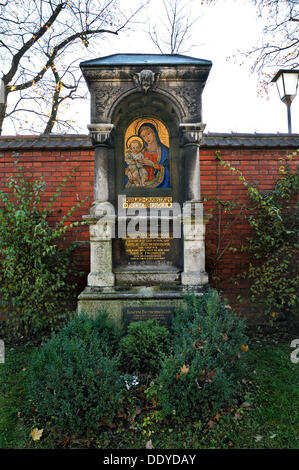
point(135, 170)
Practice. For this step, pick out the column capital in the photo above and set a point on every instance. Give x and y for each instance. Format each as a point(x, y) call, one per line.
point(100, 133)
point(192, 133)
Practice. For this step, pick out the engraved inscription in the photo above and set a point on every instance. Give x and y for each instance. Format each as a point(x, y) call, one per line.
point(147, 202)
point(147, 248)
point(162, 314)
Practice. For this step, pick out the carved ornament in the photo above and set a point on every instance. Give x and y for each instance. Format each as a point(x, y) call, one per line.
point(100, 133)
point(146, 80)
point(192, 133)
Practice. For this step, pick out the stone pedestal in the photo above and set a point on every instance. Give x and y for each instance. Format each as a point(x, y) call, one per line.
point(194, 273)
point(194, 221)
point(101, 228)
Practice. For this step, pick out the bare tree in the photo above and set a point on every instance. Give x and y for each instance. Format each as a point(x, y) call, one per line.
point(279, 45)
point(172, 31)
point(41, 44)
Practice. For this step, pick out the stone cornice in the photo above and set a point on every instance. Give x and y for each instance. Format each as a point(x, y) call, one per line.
point(165, 73)
point(100, 133)
point(192, 133)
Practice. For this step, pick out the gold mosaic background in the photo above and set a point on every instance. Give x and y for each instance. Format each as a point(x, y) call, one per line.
point(135, 125)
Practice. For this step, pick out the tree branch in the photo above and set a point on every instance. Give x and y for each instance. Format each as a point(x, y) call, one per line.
point(16, 59)
point(54, 53)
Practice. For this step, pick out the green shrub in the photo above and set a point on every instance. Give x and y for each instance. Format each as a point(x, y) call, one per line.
point(82, 326)
point(273, 243)
point(34, 270)
point(144, 346)
point(73, 380)
point(206, 368)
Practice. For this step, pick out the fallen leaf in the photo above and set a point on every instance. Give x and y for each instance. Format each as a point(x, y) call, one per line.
point(211, 423)
point(149, 445)
point(243, 348)
point(258, 438)
point(212, 373)
point(66, 441)
point(36, 434)
point(185, 369)
point(246, 405)
point(111, 425)
point(217, 417)
point(134, 428)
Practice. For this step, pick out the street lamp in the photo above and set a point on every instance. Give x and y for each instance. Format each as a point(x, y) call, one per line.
point(287, 84)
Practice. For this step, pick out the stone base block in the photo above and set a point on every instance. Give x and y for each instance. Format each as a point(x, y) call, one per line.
point(147, 277)
point(113, 300)
point(96, 279)
point(194, 278)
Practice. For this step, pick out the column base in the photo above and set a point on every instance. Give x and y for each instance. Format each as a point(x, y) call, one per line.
point(100, 280)
point(194, 278)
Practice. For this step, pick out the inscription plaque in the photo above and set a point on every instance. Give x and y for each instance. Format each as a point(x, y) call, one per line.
point(147, 202)
point(162, 314)
point(147, 248)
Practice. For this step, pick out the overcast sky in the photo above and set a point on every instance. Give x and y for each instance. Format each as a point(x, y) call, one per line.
point(230, 100)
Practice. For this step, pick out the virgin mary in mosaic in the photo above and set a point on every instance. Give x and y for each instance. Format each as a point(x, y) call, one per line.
point(147, 154)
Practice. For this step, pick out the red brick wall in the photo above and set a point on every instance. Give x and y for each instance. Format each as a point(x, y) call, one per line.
point(54, 167)
point(258, 165)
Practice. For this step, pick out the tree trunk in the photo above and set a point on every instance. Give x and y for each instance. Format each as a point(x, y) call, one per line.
point(2, 115)
point(3, 103)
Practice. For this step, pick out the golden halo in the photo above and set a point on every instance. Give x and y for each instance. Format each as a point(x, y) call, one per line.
point(161, 129)
point(132, 138)
point(144, 121)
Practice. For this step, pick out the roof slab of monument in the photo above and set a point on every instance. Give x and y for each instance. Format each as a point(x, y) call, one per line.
point(144, 59)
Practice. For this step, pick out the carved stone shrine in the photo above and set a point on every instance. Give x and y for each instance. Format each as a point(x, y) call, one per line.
point(147, 225)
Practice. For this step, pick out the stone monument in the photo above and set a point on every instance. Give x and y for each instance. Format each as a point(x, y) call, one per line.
point(147, 226)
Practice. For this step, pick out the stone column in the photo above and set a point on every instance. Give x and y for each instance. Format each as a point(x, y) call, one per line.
point(101, 220)
point(194, 221)
point(100, 134)
point(191, 138)
point(101, 230)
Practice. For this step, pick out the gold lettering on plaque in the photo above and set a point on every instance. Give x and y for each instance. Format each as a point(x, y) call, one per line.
point(147, 248)
point(148, 202)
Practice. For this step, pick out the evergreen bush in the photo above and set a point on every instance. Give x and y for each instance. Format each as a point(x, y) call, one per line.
point(144, 346)
point(205, 371)
point(73, 378)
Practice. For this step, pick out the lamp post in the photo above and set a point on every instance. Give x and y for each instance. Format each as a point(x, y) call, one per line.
point(287, 84)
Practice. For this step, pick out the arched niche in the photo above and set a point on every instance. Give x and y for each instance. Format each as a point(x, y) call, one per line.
point(154, 106)
point(139, 107)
